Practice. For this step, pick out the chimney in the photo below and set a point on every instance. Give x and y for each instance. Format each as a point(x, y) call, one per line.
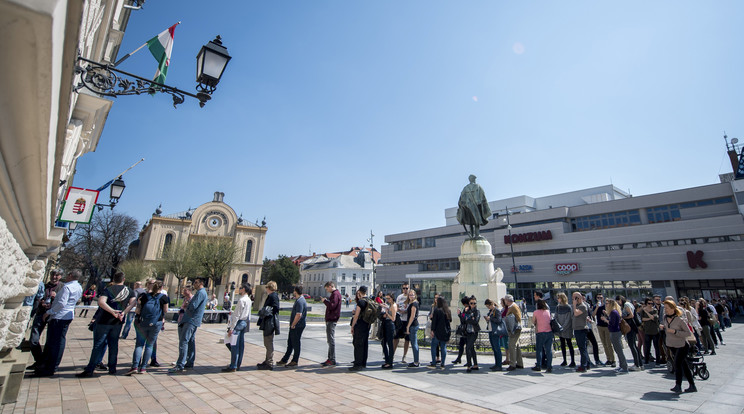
point(218, 196)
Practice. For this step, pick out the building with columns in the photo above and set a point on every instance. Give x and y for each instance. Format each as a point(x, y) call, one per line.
point(214, 219)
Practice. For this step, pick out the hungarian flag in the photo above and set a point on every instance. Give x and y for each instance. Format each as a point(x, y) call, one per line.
point(161, 46)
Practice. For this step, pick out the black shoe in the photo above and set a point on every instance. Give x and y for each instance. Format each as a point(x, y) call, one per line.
point(496, 368)
point(677, 389)
point(40, 374)
point(432, 364)
point(520, 366)
point(691, 388)
point(413, 365)
point(613, 364)
point(511, 369)
point(572, 365)
point(549, 370)
point(84, 374)
point(33, 366)
point(536, 368)
point(101, 367)
point(474, 368)
point(387, 366)
point(356, 368)
point(155, 364)
point(112, 372)
point(457, 361)
point(228, 369)
point(265, 367)
point(564, 363)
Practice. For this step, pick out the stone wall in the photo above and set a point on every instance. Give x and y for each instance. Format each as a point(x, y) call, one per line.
point(20, 278)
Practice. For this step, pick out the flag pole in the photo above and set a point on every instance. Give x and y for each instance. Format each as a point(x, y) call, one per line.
point(103, 187)
point(137, 50)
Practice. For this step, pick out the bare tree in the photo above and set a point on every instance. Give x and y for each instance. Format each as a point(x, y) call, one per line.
point(214, 258)
point(179, 261)
point(100, 246)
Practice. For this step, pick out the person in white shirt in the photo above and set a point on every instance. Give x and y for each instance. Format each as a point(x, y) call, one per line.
point(238, 325)
point(59, 317)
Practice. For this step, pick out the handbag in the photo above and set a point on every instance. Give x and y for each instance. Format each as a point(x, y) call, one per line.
point(501, 329)
point(624, 327)
point(555, 326)
point(460, 330)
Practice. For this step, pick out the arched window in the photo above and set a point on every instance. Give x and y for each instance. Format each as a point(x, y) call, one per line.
point(168, 242)
point(244, 279)
point(248, 250)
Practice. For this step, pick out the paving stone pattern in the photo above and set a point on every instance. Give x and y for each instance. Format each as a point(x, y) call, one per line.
point(314, 389)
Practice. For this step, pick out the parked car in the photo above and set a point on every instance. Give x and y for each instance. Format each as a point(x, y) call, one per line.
point(306, 296)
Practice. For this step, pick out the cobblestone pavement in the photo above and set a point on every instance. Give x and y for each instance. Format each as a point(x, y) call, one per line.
point(314, 389)
point(207, 390)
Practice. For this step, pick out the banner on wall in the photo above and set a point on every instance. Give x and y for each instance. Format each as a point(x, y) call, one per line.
point(78, 206)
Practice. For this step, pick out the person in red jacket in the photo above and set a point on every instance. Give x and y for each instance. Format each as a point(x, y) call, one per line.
point(333, 312)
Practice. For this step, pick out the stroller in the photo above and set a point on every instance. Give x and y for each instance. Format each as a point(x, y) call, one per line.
point(697, 364)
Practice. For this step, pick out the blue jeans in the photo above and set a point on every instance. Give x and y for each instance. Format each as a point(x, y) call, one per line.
point(186, 345)
point(413, 337)
point(236, 352)
point(440, 344)
point(146, 337)
point(293, 344)
point(127, 325)
point(545, 348)
point(496, 345)
point(103, 336)
point(580, 336)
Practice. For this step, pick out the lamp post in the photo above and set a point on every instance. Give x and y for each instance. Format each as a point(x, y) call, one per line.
point(116, 189)
point(106, 80)
point(511, 247)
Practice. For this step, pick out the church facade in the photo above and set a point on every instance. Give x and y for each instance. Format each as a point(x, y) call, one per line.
point(212, 220)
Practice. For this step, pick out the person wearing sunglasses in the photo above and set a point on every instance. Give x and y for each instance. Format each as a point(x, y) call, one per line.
point(472, 318)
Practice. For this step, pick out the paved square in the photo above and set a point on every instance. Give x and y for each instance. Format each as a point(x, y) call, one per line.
point(310, 388)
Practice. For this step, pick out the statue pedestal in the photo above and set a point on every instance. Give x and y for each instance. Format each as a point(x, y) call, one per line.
point(477, 277)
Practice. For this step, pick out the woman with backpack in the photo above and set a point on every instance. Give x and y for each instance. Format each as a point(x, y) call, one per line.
point(412, 327)
point(472, 318)
point(441, 320)
point(151, 309)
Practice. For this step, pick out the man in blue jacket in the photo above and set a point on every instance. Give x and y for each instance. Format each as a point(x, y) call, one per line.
point(192, 318)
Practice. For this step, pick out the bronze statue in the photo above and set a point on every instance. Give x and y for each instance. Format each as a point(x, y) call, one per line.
point(472, 209)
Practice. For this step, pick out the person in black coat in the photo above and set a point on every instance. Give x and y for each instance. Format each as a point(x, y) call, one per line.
point(463, 340)
point(472, 318)
point(269, 325)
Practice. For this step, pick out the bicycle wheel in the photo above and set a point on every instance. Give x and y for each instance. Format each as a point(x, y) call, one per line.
point(703, 373)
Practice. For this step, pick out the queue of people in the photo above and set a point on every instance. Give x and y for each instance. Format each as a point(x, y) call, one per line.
point(676, 329)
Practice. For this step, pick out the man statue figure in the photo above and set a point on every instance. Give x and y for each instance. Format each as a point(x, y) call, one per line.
point(472, 209)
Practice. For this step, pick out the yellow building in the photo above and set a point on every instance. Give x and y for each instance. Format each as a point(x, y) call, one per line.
point(214, 219)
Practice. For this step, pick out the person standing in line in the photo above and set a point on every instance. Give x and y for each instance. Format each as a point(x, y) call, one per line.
point(598, 311)
point(707, 338)
point(40, 320)
point(514, 328)
point(693, 320)
point(612, 317)
point(677, 332)
point(505, 337)
point(138, 290)
point(190, 321)
point(471, 318)
point(115, 301)
point(494, 321)
point(541, 320)
point(716, 321)
point(88, 297)
point(332, 314)
point(429, 322)
point(650, 320)
point(628, 315)
point(268, 320)
point(154, 358)
point(465, 301)
point(59, 316)
point(403, 315)
point(579, 323)
point(296, 325)
point(390, 309)
point(238, 325)
point(412, 308)
point(150, 317)
point(360, 331)
point(440, 322)
point(564, 316)
point(226, 305)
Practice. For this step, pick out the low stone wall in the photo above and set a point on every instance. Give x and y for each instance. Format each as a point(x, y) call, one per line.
point(20, 278)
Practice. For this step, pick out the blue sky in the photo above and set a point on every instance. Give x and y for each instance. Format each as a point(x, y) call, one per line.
point(335, 118)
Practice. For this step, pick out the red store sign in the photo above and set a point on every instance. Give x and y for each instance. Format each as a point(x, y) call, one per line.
point(529, 237)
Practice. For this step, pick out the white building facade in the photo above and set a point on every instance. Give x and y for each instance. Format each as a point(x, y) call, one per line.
point(347, 272)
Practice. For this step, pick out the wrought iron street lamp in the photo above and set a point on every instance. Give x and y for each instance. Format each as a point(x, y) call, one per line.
point(106, 80)
point(116, 189)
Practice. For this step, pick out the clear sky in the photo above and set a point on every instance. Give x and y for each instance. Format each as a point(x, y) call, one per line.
point(335, 118)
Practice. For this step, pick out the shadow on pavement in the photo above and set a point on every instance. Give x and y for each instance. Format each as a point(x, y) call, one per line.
point(660, 396)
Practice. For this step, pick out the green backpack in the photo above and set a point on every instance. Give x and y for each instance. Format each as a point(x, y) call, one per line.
point(371, 312)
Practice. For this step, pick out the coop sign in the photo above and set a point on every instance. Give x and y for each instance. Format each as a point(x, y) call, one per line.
point(566, 268)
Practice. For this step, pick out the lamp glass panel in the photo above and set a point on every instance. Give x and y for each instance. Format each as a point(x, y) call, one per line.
point(214, 64)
